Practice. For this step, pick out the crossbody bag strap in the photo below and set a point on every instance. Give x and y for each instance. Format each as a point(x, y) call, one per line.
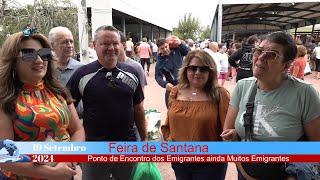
point(247, 117)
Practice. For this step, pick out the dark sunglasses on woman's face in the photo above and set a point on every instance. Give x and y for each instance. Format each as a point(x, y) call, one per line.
point(32, 55)
point(199, 68)
point(266, 54)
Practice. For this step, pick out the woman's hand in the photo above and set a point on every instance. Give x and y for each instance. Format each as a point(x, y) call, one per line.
point(62, 171)
point(229, 135)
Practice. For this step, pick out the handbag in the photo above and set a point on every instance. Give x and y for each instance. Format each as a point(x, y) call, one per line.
point(263, 171)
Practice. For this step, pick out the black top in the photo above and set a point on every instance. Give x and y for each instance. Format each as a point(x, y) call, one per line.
point(244, 55)
point(108, 99)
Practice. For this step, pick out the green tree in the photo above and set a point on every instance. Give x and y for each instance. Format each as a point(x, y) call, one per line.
point(43, 14)
point(188, 27)
point(205, 33)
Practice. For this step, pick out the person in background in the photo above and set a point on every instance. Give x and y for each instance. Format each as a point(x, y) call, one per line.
point(244, 67)
point(224, 64)
point(312, 59)
point(299, 64)
point(112, 99)
point(169, 61)
point(154, 50)
point(134, 64)
point(62, 43)
point(191, 45)
point(61, 40)
point(316, 54)
point(284, 108)
point(34, 105)
point(92, 53)
point(127, 60)
point(196, 112)
point(130, 48)
point(145, 53)
point(233, 70)
point(213, 50)
point(234, 47)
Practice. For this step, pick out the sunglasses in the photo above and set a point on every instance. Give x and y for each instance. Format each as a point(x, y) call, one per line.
point(201, 69)
point(266, 54)
point(32, 55)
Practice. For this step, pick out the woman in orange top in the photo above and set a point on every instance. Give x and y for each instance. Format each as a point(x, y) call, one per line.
point(196, 112)
point(34, 105)
point(299, 64)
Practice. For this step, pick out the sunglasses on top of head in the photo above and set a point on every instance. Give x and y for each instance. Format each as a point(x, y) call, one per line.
point(28, 54)
point(268, 54)
point(199, 68)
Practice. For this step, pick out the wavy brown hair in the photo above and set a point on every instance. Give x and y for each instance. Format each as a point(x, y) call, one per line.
point(301, 51)
point(10, 83)
point(211, 87)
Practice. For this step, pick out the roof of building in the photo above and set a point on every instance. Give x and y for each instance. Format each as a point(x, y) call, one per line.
point(269, 16)
point(134, 12)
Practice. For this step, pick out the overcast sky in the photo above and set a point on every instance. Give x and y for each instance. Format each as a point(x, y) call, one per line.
point(168, 11)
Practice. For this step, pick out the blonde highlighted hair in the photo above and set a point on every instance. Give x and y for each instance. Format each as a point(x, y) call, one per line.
point(211, 87)
point(10, 83)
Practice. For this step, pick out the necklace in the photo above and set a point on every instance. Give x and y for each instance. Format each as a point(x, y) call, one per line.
point(193, 96)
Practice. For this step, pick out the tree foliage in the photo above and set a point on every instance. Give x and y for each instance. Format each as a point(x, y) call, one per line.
point(205, 33)
point(43, 14)
point(188, 27)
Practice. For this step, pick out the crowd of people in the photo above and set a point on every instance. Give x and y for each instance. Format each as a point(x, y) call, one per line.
point(45, 92)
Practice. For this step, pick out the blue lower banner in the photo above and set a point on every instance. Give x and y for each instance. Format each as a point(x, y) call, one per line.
point(168, 147)
point(11, 151)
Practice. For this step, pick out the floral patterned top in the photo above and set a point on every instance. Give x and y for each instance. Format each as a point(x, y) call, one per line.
point(41, 115)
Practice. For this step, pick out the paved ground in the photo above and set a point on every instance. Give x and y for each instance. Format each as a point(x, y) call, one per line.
point(154, 98)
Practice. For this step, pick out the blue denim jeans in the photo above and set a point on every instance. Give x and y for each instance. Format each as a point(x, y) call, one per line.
point(304, 171)
point(199, 171)
point(300, 171)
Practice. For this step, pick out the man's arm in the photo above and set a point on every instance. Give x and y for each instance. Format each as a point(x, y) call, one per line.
point(183, 49)
point(73, 86)
point(312, 129)
point(158, 73)
point(140, 120)
point(235, 57)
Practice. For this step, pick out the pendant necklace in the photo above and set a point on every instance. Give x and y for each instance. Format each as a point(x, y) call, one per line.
point(194, 95)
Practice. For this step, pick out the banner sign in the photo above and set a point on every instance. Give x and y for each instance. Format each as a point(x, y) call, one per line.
point(159, 151)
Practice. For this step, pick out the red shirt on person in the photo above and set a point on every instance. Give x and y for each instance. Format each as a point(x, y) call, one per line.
point(298, 67)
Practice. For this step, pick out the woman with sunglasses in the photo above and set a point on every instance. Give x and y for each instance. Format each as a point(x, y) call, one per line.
point(196, 112)
point(282, 108)
point(34, 106)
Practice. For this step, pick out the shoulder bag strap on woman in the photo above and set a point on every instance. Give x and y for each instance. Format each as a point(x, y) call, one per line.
point(247, 117)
